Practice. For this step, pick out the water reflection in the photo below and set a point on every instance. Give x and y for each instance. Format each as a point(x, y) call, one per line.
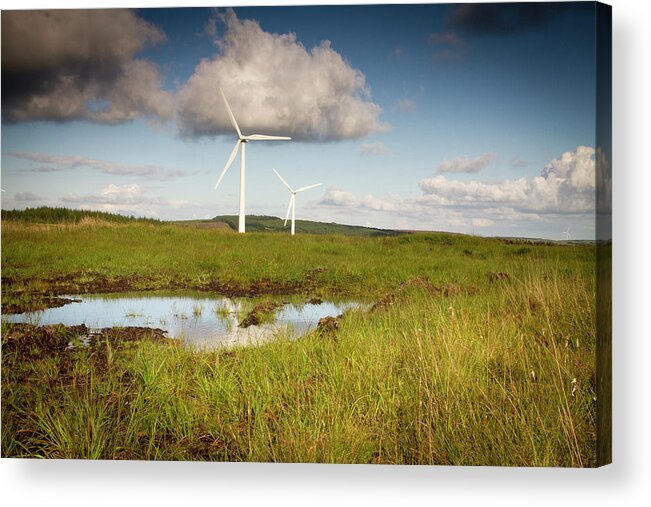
point(198, 320)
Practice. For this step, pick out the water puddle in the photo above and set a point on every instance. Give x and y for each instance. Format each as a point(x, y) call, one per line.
point(198, 320)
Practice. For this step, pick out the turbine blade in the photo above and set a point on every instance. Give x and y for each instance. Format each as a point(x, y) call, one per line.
point(289, 208)
point(308, 187)
point(283, 180)
point(262, 137)
point(230, 115)
point(228, 164)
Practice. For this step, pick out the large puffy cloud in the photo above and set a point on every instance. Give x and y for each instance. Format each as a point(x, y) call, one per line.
point(565, 185)
point(565, 188)
point(53, 163)
point(80, 64)
point(276, 86)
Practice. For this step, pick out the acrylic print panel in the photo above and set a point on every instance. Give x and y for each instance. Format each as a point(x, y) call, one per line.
point(333, 234)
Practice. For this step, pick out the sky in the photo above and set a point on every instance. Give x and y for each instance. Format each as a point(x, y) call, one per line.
point(469, 118)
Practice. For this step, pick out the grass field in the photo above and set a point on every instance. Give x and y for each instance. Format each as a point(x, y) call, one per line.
point(477, 351)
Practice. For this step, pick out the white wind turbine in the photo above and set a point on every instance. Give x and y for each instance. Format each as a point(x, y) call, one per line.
point(292, 200)
point(241, 141)
point(567, 233)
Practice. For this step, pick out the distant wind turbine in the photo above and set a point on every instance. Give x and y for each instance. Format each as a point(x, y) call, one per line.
point(567, 233)
point(241, 141)
point(292, 200)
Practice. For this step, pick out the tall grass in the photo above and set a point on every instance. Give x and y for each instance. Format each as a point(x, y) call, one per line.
point(169, 256)
point(493, 371)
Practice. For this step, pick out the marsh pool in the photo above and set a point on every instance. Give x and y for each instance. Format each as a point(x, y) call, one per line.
point(198, 320)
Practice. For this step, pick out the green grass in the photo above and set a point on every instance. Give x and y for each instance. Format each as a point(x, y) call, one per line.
point(481, 372)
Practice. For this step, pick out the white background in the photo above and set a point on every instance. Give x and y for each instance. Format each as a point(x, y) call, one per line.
point(626, 482)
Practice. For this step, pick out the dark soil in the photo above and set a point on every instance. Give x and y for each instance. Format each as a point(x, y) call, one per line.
point(34, 304)
point(328, 326)
point(18, 300)
point(34, 341)
point(260, 313)
point(37, 340)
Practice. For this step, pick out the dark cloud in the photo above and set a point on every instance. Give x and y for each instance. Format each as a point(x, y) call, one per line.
point(80, 64)
point(504, 18)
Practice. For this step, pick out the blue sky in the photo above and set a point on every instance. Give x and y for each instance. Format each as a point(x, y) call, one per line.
point(473, 119)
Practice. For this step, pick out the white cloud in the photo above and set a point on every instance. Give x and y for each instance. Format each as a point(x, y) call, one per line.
point(482, 222)
point(134, 199)
point(276, 86)
point(566, 185)
point(374, 149)
point(335, 196)
point(115, 195)
point(53, 163)
point(386, 203)
point(80, 64)
point(465, 164)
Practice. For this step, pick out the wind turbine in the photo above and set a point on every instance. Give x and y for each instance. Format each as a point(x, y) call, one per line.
point(567, 233)
point(292, 200)
point(241, 141)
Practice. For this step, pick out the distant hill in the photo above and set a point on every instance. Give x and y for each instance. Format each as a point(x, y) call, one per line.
point(264, 223)
point(254, 223)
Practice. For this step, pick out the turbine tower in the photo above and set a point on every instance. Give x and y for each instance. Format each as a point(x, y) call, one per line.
point(292, 200)
point(241, 141)
point(567, 233)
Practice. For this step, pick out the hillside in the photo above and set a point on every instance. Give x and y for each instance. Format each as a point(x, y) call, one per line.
point(264, 223)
